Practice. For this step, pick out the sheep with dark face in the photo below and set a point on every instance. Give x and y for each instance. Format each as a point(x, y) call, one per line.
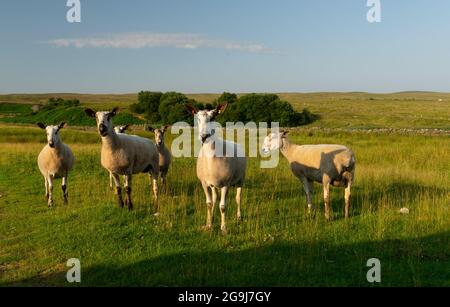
point(165, 156)
point(126, 155)
point(55, 161)
point(326, 164)
point(217, 170)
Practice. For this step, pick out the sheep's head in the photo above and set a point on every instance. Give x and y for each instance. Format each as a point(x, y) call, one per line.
point(52, 133)
point(159, 134)
point(121, 129)
point(273, 141)
point(204, 120)
point(104, 120)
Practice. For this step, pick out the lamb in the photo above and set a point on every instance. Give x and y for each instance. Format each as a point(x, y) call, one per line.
point(165, 156)
point(55, 161)
point(326, 164)
point(126, 155)
point(117, 129)
point(216, 170)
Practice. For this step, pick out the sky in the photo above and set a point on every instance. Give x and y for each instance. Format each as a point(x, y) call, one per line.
point(212, 46)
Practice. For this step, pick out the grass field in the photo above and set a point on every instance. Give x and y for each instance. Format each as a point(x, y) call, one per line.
point(336, 110)
point(276, 244)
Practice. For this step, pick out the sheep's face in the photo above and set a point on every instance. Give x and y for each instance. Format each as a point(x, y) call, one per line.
point(271, 142)
point(104, 120)
point(53, 139)
point(159, 134)
point(205, 119)
point(121, 129)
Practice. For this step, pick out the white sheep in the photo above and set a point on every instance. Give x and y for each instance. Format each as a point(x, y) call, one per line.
point(165, 156)
point(55, 161)
point(126, 155)
point(117, 129)
point(326, 164)
point(216, 170)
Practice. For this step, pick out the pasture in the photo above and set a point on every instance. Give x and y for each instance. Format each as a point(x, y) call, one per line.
point(276, 244)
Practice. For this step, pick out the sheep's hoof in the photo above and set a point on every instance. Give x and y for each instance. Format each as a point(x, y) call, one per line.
point(224, 231)
point(239, 218)
point(206, 228)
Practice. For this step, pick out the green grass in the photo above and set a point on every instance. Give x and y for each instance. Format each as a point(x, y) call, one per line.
point(336, 110)
point(276, 244)
point(72, 115)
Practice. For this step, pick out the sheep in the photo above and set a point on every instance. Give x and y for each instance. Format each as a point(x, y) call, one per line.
point(123, 154)
point(216, 170)
point(55, 161)
point(121, 129)
point(165, 156)
point(326, 164)
point(117, 129)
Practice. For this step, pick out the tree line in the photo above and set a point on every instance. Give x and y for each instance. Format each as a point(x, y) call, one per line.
point(169, 108)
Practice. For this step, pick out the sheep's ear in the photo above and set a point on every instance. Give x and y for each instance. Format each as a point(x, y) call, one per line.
point(221, 108)
point(149, 128)
point(41, 125)
point(191, 109)
point(125, 127)
point(165, 127)
point(62, 125)
point(89, 112)
point(114, 111)
point(284, 133)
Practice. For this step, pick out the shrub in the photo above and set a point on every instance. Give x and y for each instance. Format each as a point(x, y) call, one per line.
point(148, 104)
point(265, 108)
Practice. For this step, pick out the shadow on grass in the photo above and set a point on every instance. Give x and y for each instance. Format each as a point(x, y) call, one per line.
point(421, 261)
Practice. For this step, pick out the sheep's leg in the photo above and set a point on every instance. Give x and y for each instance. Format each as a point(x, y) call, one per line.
point(50, 190)
point(238, 202)
point(326, 196)
point(153, 177)
point(223, 223)
point(163, 181)
point(347, 198)
point(47, 193)
point(64, 189)
point(214, 201)
point(308, 187)
point(118, 190)
point(127, 185)
point(110, 180)
point(211, 197)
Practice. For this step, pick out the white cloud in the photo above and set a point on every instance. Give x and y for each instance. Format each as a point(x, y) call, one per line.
point(155, 40)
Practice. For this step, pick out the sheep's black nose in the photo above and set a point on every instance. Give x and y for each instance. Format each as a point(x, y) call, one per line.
point(102, 128)
point(51, 144)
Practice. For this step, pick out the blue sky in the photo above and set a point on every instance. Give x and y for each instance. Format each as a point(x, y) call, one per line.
point(224, 45)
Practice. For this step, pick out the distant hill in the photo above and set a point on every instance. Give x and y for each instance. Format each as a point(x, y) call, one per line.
point(410, 109)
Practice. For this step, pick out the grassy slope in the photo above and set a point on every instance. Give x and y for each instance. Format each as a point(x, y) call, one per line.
point(337, 110)
point(276, 244)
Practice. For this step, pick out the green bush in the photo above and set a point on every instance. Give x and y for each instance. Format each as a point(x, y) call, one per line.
point(148, 104)
point(265, 108)
point(172, 108)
